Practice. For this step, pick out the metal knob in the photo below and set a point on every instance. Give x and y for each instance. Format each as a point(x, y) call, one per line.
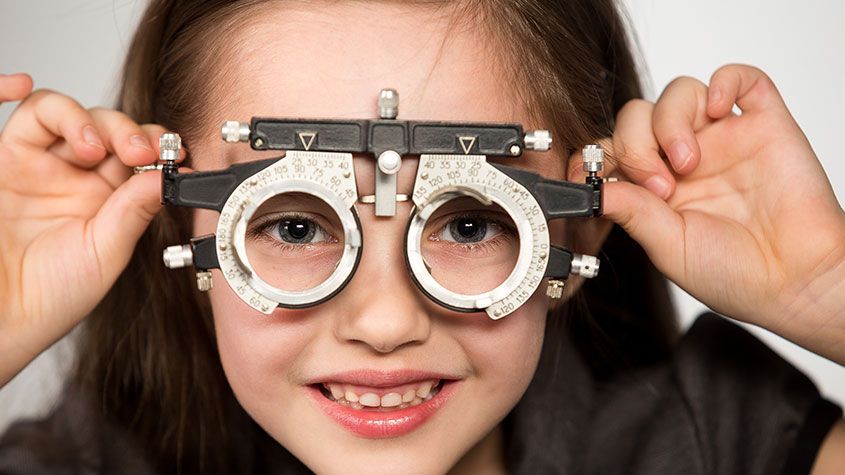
point(176, 257)
point(169, 145)
point(389, 162)
point(234, 131)
point(388, 104)
point(204, 281)
point(593, 158)
point(555, 288)
point(539, 140)
point(585, 266)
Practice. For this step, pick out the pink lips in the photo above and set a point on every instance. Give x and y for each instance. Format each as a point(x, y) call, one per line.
point(379, 425)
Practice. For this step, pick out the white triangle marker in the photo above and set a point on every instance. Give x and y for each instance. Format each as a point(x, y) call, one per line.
point(310, 139)
point(467, 143)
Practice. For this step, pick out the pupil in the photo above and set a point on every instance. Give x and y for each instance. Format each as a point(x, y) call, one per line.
point(468, 230)
point(295, 230)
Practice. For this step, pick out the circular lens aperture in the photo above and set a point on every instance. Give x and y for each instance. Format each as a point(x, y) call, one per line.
point(468, 247)
point(294, 241)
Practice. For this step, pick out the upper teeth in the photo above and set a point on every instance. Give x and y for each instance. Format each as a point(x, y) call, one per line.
point(407, 395)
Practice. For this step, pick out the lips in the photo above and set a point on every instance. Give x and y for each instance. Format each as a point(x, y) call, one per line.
point(381, 404)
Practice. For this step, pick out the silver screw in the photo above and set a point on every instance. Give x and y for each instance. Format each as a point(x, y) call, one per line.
point(515, 150)
point(555, 289)
point(538, 140)
point(585, 266)
point(176, 257)
point(424, 176)
point(258, 142)
point(169, 145)
point(593, 158)
point(234, 131)
point(388, 104)
point(204, 282)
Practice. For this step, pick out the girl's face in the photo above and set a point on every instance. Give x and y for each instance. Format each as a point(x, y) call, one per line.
point(330, 60)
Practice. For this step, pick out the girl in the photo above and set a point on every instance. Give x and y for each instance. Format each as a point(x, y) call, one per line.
point(172, 380)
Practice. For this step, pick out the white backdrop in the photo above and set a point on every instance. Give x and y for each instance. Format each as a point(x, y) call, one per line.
point(77, 47)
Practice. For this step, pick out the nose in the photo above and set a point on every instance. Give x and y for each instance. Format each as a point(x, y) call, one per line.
point(380, 307)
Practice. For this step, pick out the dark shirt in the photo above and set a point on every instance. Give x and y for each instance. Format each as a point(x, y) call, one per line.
point(723, 403)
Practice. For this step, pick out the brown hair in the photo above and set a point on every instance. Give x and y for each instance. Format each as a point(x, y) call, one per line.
point(148, 355)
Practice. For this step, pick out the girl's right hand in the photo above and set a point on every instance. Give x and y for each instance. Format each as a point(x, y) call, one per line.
point(71, 212)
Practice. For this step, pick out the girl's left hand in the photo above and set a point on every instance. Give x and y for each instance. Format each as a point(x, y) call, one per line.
point(746, 220)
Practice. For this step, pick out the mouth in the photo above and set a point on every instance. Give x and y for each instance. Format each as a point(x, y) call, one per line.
point(382, 412)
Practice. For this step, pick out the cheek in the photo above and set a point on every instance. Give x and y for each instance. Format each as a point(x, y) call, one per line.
point(257, 351)
point(254, 347)
point(505, 354)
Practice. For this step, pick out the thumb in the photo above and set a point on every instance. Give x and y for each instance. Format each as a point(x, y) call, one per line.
point(648, 220)
point(122, 219)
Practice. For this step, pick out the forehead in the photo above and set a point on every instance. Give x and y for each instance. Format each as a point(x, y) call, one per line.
point(310, 60)
point(330, 59)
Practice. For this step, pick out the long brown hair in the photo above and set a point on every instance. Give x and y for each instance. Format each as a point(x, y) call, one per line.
point(148, 355)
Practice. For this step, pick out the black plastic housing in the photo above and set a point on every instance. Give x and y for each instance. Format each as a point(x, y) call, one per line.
point(376, 136)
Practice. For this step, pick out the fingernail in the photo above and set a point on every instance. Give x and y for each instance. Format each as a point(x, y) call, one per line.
point(714, 95)
point(89, 133)
point(659, 186)
point(679, 154)
point(141, 142)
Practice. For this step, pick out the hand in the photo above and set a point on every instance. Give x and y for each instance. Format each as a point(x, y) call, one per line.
point(746, 220)
point(71, 212)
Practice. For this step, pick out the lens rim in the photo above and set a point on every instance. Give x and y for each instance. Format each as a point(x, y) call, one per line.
point(345, 266)
point(428, 284)
point(333, 183)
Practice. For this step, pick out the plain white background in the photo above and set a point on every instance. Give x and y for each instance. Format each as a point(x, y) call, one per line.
point(77, 47)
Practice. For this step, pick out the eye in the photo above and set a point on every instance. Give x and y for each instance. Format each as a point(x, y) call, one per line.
point(469, 230)
point(292, 230)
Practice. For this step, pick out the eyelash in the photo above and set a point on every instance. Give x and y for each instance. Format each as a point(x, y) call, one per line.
point(488, 245)
point(260, 230)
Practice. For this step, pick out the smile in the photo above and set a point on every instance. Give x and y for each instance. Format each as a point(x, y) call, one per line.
point(378, 413)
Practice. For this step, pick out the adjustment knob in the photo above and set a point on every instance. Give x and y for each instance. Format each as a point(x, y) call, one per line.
point(593, 158)
point(169, 145)
point(388, 104)
point(538, 140)
point(234, 131)
point(176, 257)
point(585, 266)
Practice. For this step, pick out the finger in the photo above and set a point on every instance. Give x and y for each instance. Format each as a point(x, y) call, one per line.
point(678, 114)
point(45, 117)
point(636, 151)
point(152, 133)
point(14, 87)
point(122, 219)
point(123, 137)
point(746, 86)
point(113, 171)
point(649, 220)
